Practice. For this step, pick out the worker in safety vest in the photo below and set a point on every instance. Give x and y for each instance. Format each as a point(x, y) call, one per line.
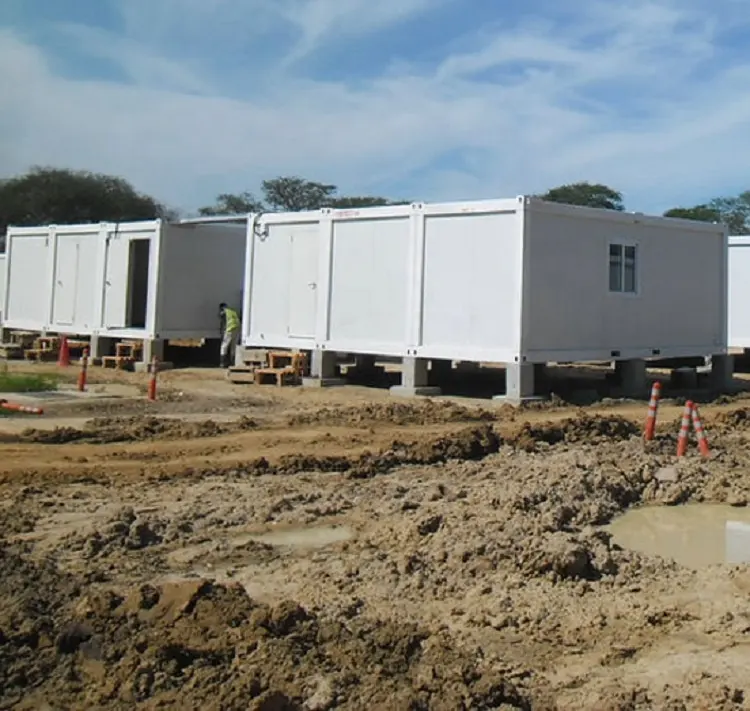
point(230, 331)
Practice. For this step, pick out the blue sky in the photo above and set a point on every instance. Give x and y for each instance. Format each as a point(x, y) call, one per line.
point(420, 99)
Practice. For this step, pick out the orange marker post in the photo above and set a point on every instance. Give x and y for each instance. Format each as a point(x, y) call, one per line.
point(63, 357)
point(700, 434)
point(653, 408)
point(682, 440)
point(82, 376)
point(152, 379)
point(15, 407)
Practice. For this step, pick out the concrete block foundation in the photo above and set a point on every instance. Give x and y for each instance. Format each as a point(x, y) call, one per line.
point(631, 376)
point(721, 376)
point(522, 382)
point(323, 371)
point(415, 380)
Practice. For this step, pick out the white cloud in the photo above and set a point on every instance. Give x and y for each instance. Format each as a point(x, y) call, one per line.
point(634, 96)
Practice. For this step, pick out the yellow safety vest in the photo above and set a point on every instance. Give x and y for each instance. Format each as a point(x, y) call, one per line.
point(232, 320)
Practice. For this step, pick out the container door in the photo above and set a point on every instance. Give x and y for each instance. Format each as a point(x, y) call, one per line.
point(303, 281)
point(116, 282)
point(66, 280)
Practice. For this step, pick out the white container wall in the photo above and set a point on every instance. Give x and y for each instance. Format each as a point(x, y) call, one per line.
point(739, 291)
point(2, 287)
point(516, 280)
point(144, 280)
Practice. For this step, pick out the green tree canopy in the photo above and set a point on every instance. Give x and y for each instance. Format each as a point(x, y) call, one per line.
point(734, 212)
point(700, 213)
point(227, 204)
point(56, 196)
point(587, 195)
point(292, 194)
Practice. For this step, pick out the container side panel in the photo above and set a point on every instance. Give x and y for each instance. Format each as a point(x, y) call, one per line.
point(739, 295)
point(284, 283)
point(369, 281)
point(269, 284)
point(116, 281)
point(679, 293)
point(2, 287)
point(88, 287)
point(472, 282)
point(303, 281)
point(201, 267)
point(27, 281)
point(66, 280)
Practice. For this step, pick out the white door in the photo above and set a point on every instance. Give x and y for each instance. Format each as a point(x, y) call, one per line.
point(303, 281)
point(116, 282)
point(66, 281)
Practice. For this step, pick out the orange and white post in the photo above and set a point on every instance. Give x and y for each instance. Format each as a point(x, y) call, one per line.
point(152, 379)
point(700, 434)
point(682, 439)
point(15, 407)
point(653, 409)
point(83, 374)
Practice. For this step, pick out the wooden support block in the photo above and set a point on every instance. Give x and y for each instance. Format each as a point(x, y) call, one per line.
point(117, 362)
point(11, 351)
point(241, 375)
point(276, 376)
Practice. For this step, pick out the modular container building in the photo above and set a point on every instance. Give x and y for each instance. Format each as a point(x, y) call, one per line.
point(2, 288)
point(516, 281)
point(739, 292)
point(146, 280)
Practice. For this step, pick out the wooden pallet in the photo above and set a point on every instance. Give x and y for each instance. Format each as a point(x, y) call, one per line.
point(47, 343)
point(287, 359)
point(11, 351)
point(255, 358)
point(40, 354)
point(25, 339)
point(129, 349)
point(118, 362)
point(241, 375)
point(276, 376)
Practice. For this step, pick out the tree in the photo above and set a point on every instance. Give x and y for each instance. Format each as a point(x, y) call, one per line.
point(58, 196)
point(587, 195)
point(227, 204)
point(700, 213)
point(734, 212)
point(352, 203)
point(292, 194)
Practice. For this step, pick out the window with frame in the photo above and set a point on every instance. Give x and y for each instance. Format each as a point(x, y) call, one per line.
point(623, 266)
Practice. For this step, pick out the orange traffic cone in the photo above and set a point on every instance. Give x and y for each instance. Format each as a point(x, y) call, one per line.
point(63, 359)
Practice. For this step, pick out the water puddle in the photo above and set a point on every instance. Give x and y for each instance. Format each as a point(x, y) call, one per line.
point(693, 535)
point(314, 537)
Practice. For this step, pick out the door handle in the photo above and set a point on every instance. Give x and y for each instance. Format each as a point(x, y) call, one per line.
point(312, 285)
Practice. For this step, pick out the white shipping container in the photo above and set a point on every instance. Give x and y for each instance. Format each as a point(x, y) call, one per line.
point(739, 292)
point(148, 280)
point(2, 287)
point(515, 281)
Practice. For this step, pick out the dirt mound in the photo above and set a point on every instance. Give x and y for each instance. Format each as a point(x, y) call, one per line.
point(733, 419)
point(429, 412)
point(583, 428)
point(201, 645)
point(468, 444)
point(134, 429)
point(124, 531)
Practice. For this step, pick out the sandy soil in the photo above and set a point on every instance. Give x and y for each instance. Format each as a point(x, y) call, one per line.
point(234, 547)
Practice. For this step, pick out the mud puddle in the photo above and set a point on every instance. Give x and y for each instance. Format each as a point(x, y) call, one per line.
point(693, 535)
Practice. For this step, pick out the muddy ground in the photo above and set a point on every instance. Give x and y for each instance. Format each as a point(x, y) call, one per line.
point(235, 547)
